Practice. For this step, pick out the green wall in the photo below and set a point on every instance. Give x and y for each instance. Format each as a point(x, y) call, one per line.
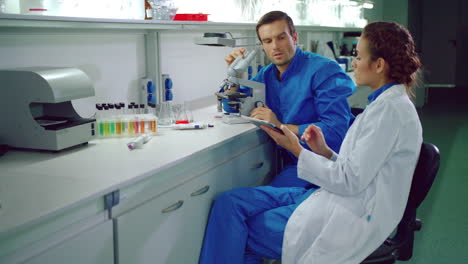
point(388, 10)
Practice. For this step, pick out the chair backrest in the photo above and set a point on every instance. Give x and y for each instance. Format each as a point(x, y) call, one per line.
point(356, 111)
point(400, 246)
point(424, 174)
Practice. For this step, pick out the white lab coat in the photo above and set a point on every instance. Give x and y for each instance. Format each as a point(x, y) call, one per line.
point(364, 192)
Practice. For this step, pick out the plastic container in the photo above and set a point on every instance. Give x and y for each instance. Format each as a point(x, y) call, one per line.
point(191, 17)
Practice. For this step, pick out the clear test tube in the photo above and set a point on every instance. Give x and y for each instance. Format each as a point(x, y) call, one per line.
point(125, 124)
point(151, 108)
point(125, 119)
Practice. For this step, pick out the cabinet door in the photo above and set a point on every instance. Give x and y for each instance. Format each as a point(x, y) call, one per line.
point(93, 246)
point(253, 166)
point(169, 228)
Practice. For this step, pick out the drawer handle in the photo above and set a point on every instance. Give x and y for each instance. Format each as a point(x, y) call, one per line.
point(201, 191)
point(258, 165)
point(173, 207)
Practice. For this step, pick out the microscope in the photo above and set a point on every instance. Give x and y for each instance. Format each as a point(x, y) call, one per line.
point(238, 103)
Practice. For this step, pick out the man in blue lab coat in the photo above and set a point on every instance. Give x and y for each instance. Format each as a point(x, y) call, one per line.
point(302, 88)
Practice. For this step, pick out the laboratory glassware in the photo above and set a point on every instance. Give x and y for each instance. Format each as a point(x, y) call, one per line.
point(180, 114)
point(165, 115)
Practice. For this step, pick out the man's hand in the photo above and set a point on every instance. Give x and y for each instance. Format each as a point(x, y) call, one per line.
point(265, 113)
point(288, 141)
point(233, 55)
point(314, 138)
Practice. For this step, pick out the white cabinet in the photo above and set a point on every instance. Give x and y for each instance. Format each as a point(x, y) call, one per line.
point(93, 246)
point(89, 241)
point(252, 167)
point(170, 227)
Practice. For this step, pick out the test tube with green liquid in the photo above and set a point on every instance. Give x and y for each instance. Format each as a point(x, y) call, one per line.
point(122, 118)
point(112, 120)
point(100, 124)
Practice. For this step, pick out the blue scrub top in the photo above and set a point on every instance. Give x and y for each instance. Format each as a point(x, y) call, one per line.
point(312, 90)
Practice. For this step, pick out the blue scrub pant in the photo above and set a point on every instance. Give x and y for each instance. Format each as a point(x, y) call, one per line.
point(288, 178)
point(247, 224)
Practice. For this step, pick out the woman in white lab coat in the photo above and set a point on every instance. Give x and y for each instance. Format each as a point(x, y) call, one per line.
point(364, 188)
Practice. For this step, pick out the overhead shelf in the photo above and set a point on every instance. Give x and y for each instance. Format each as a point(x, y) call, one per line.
point(24, 23)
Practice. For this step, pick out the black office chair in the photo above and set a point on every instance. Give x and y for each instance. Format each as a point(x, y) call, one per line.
point(356, 111)
point(400, 246)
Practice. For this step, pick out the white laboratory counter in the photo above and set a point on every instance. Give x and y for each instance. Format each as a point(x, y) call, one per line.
point(37, 187)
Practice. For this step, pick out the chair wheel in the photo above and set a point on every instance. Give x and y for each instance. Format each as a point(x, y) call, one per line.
point(417, 224)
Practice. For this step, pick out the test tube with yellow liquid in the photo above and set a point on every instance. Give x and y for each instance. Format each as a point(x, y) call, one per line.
point(118, 121)
point(154, 125)
point(142, 125)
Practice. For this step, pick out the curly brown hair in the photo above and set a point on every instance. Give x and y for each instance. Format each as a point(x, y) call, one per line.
point(394, 43)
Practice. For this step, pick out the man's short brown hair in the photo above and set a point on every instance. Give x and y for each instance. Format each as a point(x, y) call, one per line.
point(273, 16)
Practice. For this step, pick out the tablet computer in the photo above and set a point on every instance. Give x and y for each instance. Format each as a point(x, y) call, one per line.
point(259, 122)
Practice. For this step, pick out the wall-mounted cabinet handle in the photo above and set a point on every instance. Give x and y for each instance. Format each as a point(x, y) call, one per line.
point(173, 207)
point(201, 191)
point(258, 165)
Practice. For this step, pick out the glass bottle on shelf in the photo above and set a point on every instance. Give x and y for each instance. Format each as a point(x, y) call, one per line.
point(148, 10)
